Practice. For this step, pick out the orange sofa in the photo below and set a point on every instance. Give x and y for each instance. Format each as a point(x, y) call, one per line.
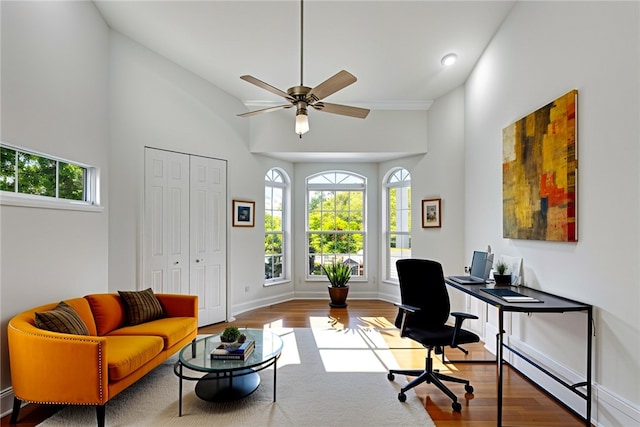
point(58, 368)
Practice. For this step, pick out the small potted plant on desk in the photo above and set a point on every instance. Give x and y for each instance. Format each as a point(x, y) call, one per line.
point(338, 275)
point(502, 277)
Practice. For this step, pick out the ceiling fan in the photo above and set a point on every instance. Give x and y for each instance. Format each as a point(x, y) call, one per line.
point(303, 96)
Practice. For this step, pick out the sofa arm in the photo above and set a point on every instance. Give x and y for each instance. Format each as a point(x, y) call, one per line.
point(176, 305)
point(50, 367)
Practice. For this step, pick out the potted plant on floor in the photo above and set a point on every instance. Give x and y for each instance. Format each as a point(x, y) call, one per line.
point(502, 277)
point(338, 275)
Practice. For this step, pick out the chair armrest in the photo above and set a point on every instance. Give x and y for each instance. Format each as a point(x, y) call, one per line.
point(463, 316)
point(406, 310)
point(460, 317)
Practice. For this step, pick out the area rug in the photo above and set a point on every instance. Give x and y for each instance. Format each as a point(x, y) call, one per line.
point(326, 377)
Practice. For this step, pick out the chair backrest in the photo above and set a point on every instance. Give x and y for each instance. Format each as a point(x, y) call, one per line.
point(422, 285)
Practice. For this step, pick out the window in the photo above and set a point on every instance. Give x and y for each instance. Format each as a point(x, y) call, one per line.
point(275, 226)
point(398, 220)
point(33, 179)
point(335, 226)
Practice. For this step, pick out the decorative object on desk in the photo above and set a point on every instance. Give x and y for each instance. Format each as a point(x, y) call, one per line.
point(338, 274)
point(243, 213)
point(539, 173)
point(431, 213)
point(502, 277)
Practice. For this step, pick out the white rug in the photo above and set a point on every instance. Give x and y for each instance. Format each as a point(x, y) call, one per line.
point(325, 378)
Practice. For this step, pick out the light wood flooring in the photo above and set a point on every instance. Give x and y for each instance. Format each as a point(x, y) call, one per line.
point(523, 404)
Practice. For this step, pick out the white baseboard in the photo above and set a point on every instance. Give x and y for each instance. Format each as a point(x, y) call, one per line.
point(607, 409)
point(6, 401)
point(259, 303)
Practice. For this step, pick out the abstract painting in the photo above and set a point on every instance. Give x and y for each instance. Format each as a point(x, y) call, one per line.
point(539, 173)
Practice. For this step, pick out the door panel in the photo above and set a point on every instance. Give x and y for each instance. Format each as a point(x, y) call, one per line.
point(208, 237)
point(166, 260)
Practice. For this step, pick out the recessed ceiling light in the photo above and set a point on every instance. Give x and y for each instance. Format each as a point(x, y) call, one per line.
point(449, 59)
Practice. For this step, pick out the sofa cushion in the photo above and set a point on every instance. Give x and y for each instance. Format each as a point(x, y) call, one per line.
point(108, 312)
point(63, 318)
point(171, 329)
point(141, 306)
point(125, 354)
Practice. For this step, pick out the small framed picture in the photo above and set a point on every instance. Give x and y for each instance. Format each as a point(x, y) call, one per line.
point(243, 213)
point(431, 213)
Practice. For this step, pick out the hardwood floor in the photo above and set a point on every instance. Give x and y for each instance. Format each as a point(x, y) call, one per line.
point(523, 405)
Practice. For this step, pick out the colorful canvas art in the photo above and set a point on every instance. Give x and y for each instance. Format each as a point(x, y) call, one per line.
point(539, 173)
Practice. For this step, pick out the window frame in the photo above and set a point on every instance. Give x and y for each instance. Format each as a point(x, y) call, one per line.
point(285, 231)
point(360, 185)
point(403, 182)
point(91, 187)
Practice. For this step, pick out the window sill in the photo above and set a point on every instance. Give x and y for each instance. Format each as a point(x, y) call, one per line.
point(28, 201)
point(278, 282)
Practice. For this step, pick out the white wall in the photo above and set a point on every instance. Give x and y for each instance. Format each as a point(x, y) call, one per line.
point(543, 50)
point(383, 131)
point(54, 87)
point(158, 104)
point(437, 174)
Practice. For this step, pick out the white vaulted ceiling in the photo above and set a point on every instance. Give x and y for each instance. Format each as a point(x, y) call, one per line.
point(393, 47)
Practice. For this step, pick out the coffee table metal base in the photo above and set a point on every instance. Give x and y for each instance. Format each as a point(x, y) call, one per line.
point(215, 387)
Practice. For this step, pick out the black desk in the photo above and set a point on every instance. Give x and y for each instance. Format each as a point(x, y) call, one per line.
point(550, 304)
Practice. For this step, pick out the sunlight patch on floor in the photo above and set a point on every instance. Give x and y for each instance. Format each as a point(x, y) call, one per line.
point(353, 350)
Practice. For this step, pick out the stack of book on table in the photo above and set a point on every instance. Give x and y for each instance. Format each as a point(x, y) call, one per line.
point(240, 353)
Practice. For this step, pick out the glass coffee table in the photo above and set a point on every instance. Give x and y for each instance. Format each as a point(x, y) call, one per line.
point(227, 380)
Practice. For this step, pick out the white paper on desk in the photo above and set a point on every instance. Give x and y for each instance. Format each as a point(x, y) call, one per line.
point(515, 268)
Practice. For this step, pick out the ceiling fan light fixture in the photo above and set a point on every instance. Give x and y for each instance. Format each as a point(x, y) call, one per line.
point(449, 59)
point(302, 121)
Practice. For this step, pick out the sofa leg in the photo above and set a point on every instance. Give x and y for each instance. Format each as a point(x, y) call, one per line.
point(16, 410)
point(100, 415)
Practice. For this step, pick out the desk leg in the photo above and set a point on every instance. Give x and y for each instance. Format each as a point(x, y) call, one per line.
point(500, 343)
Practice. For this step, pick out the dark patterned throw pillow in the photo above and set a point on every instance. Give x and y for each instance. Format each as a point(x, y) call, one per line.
point(63, 318)
point(141, 306)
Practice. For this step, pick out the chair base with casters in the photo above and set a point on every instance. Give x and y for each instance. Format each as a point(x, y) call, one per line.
point(430, 376)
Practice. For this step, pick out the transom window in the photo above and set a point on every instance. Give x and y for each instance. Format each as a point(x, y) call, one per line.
point(275, 194)
point(33, 179)
point(398, 220)
point(336, 226)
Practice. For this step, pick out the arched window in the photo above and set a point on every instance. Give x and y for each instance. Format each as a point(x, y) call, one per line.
point(336, 225)
point(397, 214)
point(276, 253)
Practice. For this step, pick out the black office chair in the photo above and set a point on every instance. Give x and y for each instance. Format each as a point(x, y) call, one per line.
point(422, 317)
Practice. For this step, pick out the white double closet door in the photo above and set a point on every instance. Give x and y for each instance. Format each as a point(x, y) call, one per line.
point(184, 244)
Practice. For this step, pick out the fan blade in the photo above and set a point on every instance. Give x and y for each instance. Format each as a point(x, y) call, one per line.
point(344, 110)
point(267, 86)
point(264, 110)
point(330, 86)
